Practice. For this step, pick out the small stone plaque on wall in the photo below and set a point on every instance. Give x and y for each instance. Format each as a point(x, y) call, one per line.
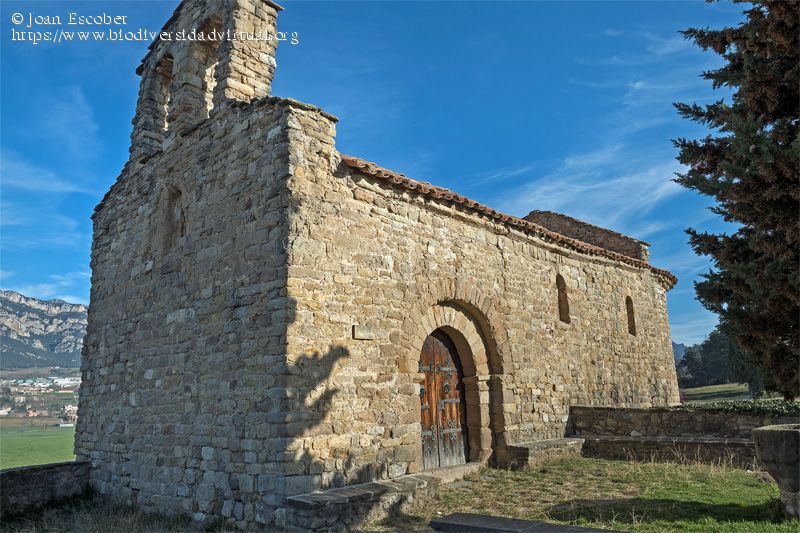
point(364, 333)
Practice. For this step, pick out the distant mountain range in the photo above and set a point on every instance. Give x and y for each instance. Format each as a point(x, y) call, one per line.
point(40, 333)
point(678, 350)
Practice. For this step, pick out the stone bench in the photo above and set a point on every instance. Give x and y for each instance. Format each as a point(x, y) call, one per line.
point(735, 451)
point(529, 453)
point(346, 508)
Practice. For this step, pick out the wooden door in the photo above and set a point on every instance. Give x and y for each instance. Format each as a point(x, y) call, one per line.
point(442, 403)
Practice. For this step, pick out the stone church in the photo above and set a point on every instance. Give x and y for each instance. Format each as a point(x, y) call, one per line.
point(270, 317)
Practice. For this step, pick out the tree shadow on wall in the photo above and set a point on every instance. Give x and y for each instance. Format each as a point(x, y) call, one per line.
point(309, 401)
point(319, 452)
point(301, 446)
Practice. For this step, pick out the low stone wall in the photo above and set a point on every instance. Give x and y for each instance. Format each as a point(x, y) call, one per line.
point(739, 453)
point(663, 422)
point(30, 486)
point(532, 453)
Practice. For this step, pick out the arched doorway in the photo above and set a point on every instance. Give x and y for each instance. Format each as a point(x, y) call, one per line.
point(443, 407)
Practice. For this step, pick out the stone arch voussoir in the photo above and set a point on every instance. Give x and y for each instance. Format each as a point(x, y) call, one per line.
point(472, 321)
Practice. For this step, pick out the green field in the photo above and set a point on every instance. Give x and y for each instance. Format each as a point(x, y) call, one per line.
point(713, 393)
point(35, 444)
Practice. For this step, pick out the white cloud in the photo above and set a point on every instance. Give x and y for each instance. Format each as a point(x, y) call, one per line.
point(657, 46)
point(661, 45)
point(501, 174)
point(616, 61)
point(692, 328)
point(32, 199)
point(588, 161)
point(71, 277)
point(59, 286)
point(45, 240)
point(31, 216)
point(603, 187)
point(70, 122)
point(656, 95)
point(685, 264)
point(18, 173)
point(647, 228)
point(37, 225)
point(616, 184)
point(6, 274)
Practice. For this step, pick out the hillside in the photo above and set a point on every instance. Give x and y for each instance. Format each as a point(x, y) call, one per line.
point(39, 333)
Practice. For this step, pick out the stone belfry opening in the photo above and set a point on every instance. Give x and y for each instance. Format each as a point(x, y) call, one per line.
point(202, 60)
point(193, 98)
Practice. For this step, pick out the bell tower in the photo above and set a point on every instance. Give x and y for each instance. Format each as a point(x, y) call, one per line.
point(208, 54)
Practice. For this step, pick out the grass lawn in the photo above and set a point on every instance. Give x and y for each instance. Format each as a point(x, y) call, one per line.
point(713, 393)
point(588, 492)
point(86, 516)
point(615, 495)
point(32, 445)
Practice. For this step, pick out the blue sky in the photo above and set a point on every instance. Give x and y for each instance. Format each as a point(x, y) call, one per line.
point(564, 106)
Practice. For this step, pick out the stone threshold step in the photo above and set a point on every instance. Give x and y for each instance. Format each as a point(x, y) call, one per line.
point(474, 523)
point(449, 474)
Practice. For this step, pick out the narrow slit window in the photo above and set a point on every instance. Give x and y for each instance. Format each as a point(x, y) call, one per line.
point(631, 317)
point(175, 218)
point(563, 299)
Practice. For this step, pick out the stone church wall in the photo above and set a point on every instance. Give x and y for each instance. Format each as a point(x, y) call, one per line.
point(367, 255)
point(181, 403)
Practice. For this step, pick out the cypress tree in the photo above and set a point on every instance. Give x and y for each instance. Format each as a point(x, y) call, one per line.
point(749, 165)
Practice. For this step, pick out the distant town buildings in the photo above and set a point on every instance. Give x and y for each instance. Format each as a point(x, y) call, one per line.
point(53, 398)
